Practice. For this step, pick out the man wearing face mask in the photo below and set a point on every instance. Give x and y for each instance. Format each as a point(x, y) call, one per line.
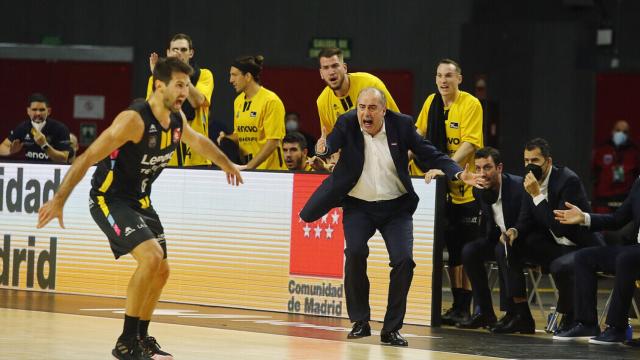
point(500, 201)
point(292, 124)
point(538, 238)
point(615, 166)
point(43, 138)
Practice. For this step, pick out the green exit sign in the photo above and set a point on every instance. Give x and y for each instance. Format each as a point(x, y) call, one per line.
point(317, 44)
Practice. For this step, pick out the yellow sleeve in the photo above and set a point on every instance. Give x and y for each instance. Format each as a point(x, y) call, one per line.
point(423, 120)
point(326, 120)
point(205, 85)
point(274, 119)
point(149, 88)
point(391, 104)
point(471, 127)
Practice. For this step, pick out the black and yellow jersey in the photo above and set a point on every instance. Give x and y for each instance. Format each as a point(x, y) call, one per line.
point(463, 124)
point(129, 171)
point(330, 106)
point(257, 120)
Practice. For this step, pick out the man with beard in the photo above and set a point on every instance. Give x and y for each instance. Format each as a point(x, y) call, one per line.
point(130, 154)
point(43, 138)
point(294, 148)
point(343, 88)
point(500, 201)
point(196, 108)
point(539, 239)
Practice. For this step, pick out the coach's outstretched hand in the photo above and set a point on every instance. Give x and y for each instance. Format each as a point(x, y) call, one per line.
point(321, 144)
point(48, 211)
point(470, 178)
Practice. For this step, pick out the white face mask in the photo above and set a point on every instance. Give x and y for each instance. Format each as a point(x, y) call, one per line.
point(38, 126)
point(619, 138)
point(291, 125)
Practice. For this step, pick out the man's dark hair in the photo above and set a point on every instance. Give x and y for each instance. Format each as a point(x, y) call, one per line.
point(329, 52)
point(451, 62)
point(37, 97)
point(295, 137)
point(181, 37)
point(165, 67)
point(250, 64)
point(489, 151)
point(540, 143)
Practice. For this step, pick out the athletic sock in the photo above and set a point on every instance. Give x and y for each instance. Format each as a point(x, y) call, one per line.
point(465, 300)
point(130, 329)
point(143, 328)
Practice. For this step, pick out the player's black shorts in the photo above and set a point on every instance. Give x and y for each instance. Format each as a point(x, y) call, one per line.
point(463, 226)
point(125, 225)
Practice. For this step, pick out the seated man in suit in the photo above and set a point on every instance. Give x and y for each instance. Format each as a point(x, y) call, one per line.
point(372, 184)
point(500, 201)
point(623, 261)
point(538, 238)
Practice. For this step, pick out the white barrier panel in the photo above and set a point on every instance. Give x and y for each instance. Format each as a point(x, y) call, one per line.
point(241, 247)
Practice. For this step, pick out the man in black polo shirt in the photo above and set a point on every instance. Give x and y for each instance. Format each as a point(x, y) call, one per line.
point(43, 138)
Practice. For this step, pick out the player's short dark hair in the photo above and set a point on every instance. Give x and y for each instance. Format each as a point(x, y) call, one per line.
point(165, 67)
point(294, 137)
point(487, 152)
point(37, 97)
point(329, 52)
point(451, 62)
point(539, 143)
point(181, 36)
point(250, 64)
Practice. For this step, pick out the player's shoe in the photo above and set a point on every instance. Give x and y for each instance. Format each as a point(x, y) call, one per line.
point(152, 349)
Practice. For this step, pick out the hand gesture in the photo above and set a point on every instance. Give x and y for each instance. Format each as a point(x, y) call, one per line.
point(38, 137)
point(221, 137)
point(508, 237)
point(233, 174)
point(48, 211)
point(431, 174)
point(470, 178)
point(321, 145)
point(153, 60)
point(531, 185)
point(318, 164)
point(573, 215)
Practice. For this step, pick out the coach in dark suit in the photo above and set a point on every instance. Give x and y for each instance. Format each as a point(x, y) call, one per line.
point(500, 201)
point(538, 238)
point(371, 182)
point(623, 261)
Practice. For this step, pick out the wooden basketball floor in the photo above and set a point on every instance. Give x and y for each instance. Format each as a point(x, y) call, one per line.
point(37, 325)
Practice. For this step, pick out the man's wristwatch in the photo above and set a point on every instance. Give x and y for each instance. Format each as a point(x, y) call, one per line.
point(45, 146)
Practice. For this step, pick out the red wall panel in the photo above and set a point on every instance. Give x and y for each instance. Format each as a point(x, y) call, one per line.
point(616, 99)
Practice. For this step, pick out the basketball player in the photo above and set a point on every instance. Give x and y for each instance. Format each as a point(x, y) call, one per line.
point(131, 154)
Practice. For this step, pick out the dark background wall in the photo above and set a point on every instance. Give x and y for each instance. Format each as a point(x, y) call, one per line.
point(540, 61)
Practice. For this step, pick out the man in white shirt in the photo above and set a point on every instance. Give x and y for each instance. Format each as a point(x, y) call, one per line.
point(538, 238)
point(372, 184)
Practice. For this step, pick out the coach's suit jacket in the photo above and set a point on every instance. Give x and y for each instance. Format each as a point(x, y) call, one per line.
point(564, 185)
point(347, 136)
point(629, 211)
point(512, 192)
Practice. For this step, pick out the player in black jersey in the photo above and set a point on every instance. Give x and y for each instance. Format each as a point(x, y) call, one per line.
point(130, 154)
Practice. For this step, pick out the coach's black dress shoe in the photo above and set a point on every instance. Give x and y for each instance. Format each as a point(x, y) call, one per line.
point(360, 329)
point(517, 324)
point(478, 320)
point(393, 338)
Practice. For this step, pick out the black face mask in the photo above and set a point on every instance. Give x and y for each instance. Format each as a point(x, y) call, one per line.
point(489, 196)
point(535, 169)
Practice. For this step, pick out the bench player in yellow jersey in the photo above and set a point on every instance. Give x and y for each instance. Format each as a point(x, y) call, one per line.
point(341, 92)
point(196, 108)
point(452, 120)
point(258, 117)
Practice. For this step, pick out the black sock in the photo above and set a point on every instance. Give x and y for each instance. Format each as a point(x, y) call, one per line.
point(465, 300)
point(143, 328)
point(130, 329)
point(522, 308)
point(456, 298)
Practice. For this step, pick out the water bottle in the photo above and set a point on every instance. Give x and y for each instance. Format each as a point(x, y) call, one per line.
point(628, 334)
point(552, 321)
